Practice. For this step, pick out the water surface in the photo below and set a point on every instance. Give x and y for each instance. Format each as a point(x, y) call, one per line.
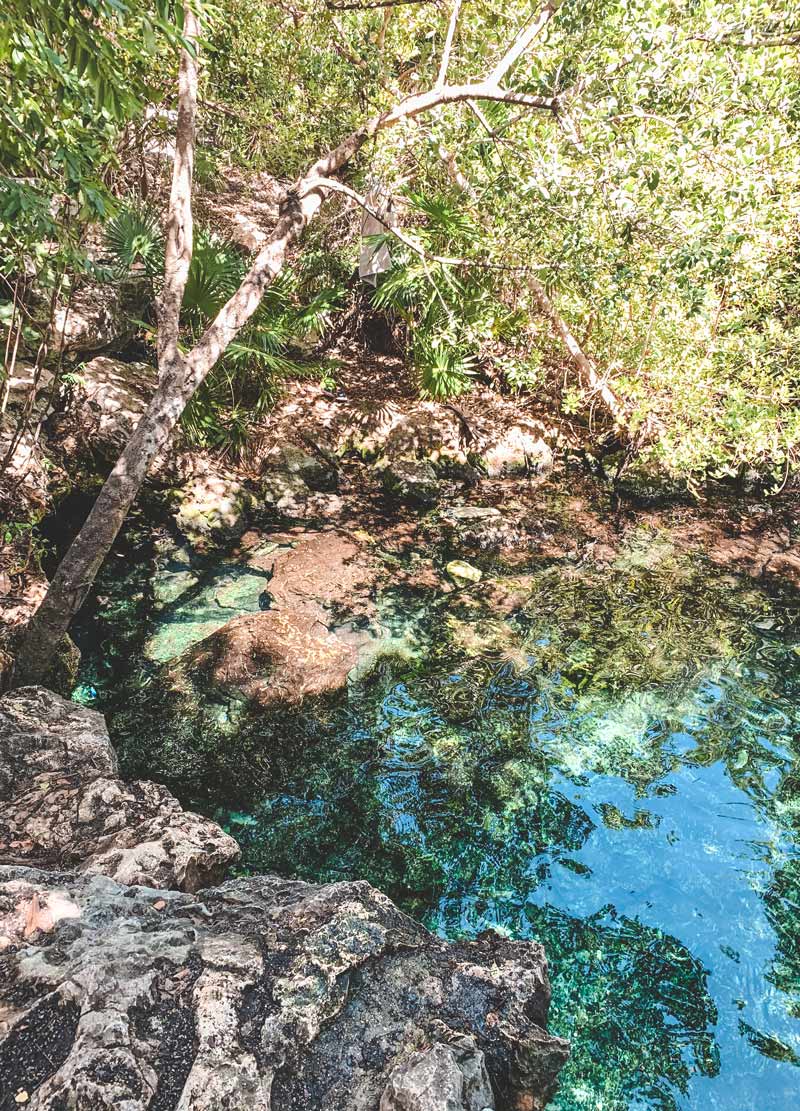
point(605, 760)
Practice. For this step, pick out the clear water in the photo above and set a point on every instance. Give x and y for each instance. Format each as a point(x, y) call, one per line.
point(606, 761)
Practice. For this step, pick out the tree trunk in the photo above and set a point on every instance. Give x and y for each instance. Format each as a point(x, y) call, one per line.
point(180, 375)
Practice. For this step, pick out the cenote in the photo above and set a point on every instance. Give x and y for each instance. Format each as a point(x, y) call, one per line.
point(606, 759)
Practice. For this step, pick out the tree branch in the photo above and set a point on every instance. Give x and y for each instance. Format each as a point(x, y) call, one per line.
point(522, 42)
point(180, 233)
point(448, 44)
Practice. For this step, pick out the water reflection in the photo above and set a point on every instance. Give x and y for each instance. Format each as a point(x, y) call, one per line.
point(608, 763)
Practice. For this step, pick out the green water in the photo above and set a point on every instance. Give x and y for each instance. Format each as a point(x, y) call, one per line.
point(608, 761)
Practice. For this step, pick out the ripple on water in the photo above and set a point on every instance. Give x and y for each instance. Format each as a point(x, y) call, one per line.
point(614, 769)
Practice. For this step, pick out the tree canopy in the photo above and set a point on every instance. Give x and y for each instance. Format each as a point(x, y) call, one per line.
point(642, 172)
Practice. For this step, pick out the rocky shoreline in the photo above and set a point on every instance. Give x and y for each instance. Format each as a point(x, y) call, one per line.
point(127, 982)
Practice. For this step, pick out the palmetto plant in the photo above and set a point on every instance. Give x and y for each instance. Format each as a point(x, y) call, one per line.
point(245, 383)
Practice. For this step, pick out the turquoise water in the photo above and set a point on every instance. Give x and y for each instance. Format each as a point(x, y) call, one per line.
point(606, 761)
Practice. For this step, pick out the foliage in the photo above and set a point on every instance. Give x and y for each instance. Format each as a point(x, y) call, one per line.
point(658, 203)
point(245, 382)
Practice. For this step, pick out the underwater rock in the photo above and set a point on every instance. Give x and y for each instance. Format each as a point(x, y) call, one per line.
point(62, 803)
point(520, 450)
point(412, 480)
point(272, 657)
point(463, 572)
point(228, 592)
point(261, 995)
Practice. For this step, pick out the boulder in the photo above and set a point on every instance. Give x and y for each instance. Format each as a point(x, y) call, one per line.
point(107, 399)
point(411, 480)
point(449, 1077)
point(479, 527)
point(314, 471)
point(99, 315)
point(391, 431)
point(260, 995)
point(522, 449)
point(42, 732)
point(62, 803)
point(214, 506)
point(25, 475)
point(272, 657)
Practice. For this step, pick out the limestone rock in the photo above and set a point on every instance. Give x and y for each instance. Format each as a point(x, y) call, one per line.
point(482, 528)
point(99, 315)
point(63, 804)
point(261, 995)
point(313, 470)
point(423, 430)
point(463, 572)
point(442, 1078)
point(214, 505)
point(42, 732)
point(273, 657)
point(107, 399)
point(411, 480)
point(26, 472)
point(520, 450)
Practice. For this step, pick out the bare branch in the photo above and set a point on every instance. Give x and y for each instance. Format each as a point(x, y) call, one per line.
point(522, 42)
point(365, 6)
point(448, 44)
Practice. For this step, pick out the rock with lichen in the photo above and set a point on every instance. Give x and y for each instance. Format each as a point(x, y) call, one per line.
point(260, 995)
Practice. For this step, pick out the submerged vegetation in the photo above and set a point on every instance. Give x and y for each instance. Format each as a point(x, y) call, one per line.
point(606, 761)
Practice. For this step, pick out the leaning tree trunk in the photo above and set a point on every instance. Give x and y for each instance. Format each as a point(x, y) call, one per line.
point(181, 375)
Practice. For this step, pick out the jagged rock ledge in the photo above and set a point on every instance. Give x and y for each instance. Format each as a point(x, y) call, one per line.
point(118, 991)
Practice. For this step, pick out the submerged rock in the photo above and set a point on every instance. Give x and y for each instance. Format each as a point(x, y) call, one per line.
point(230, 591)
point(63, 804)
point(261, 995)
point(463, 572)
point(272, 657)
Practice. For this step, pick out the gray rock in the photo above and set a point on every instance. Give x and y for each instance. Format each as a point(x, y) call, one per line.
point(99, 315)
point(107, 398)
point(481, 528)
point(317, 473)
point(262, 995)
point(412, 480)
point(63, 804)
point(442, 1078)
point(214, 506)
point(42, 732)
